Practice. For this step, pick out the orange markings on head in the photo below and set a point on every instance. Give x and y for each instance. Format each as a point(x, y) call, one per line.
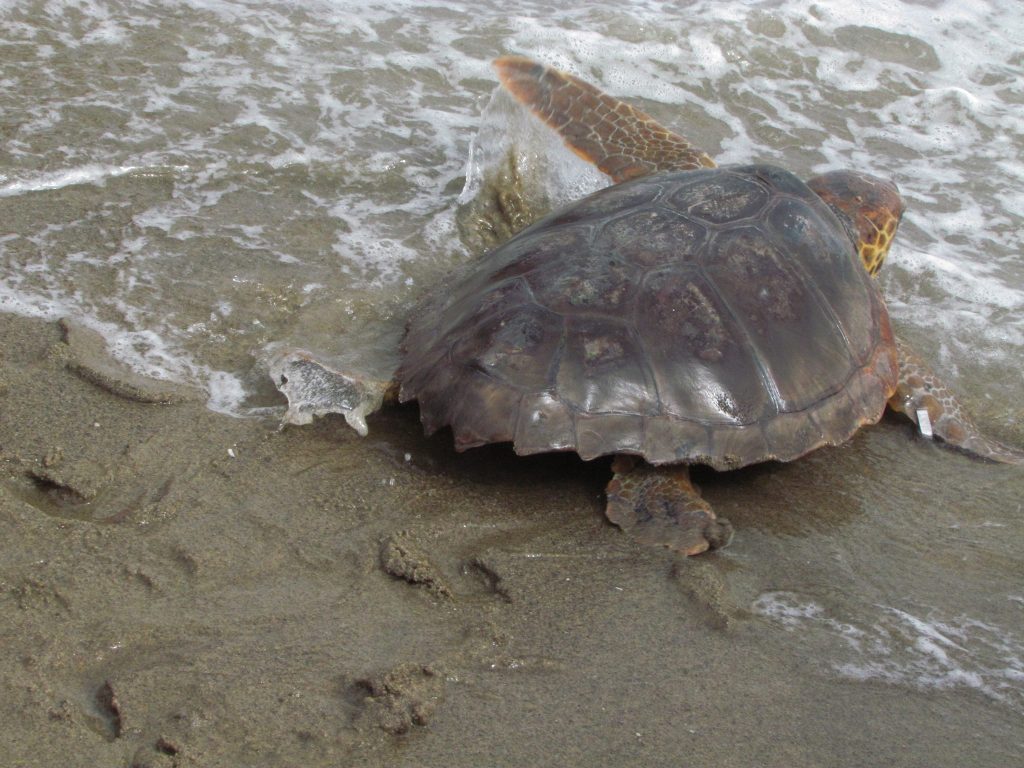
point(871, 206)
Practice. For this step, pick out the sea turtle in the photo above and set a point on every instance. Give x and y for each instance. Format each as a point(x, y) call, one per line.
point(686, 314)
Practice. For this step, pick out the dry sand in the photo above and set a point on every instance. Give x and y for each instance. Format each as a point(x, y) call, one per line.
point(181, 588)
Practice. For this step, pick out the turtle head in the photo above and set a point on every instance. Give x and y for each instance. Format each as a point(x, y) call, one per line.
point(870, 207)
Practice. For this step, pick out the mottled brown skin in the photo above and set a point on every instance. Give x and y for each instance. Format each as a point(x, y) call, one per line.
point(920, 388)
point(661, 506)
point(687, 315)
point(619, 139)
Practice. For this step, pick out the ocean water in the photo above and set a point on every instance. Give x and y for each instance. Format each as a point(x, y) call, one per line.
point(207, 183)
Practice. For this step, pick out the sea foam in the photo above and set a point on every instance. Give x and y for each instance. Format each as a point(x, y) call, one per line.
point(901, 647)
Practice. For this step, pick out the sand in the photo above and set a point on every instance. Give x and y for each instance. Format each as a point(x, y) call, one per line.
point(183, 588)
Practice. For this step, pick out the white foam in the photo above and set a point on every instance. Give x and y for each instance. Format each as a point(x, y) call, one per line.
point(93, 173)
point(226, 392)
point(784, 608)
point(899, 647)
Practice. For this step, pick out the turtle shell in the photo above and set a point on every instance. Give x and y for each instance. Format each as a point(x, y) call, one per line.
point(719, 316)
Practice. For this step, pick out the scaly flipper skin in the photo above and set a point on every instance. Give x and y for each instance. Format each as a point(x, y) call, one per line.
point(920, 388)
point(314, 389)
point(619, 139)
point(661, 506)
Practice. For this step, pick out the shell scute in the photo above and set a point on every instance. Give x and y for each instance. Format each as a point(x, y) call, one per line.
point(790, 334)
point(651, 237)
point(602, 368)
point(516, 347)
point(669, 441)
point(722, 197)
point(545, 423)
point(829, 264)
point(530, 250)
point(696, 350)
point(593, 431)
point(482, 411)
point(789, 434)
point(611, 201)
point(594, 280)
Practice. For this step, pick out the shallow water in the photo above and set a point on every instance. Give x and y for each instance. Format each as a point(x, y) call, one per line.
point(202, 181)
point(206, 182)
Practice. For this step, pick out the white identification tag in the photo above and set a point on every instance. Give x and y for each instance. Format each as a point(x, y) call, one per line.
point(924, 422)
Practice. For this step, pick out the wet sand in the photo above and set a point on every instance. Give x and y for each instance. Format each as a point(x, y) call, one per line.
point(181, 588)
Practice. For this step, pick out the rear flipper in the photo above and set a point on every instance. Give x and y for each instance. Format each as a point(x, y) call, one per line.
point(314, 389)
point(929, 404)
point(659, 505)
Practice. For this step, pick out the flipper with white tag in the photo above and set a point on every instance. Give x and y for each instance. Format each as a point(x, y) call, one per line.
point(926, 400)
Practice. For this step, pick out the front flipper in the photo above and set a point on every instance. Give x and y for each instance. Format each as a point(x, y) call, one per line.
point(619, 139)
point(929, 404)
point(659, 505)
